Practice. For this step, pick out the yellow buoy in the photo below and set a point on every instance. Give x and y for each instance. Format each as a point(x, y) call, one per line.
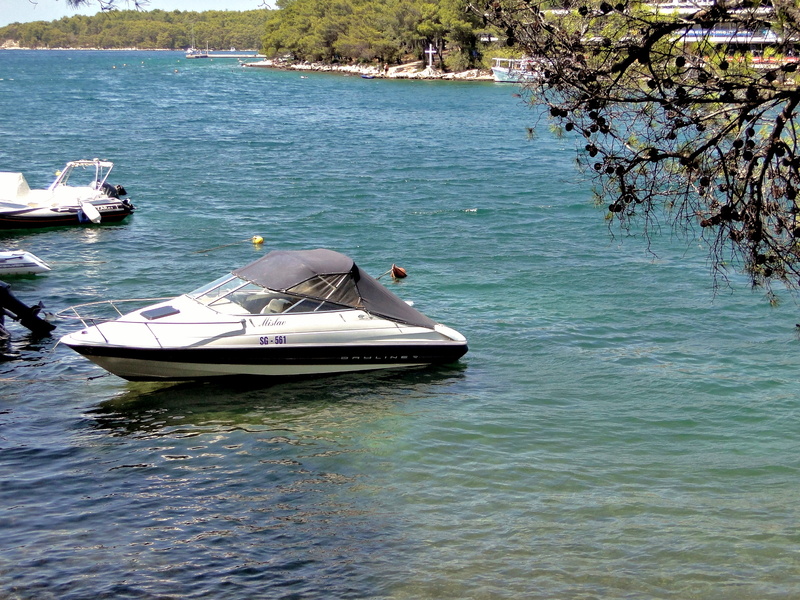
point(257, 239)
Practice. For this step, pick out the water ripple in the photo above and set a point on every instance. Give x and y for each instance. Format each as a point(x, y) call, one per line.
point(617, 430)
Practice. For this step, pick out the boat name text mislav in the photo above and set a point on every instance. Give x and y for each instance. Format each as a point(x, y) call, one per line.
point(273, 323)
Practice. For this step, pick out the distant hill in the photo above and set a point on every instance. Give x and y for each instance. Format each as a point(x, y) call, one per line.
point(381, 32)
point(156, 29)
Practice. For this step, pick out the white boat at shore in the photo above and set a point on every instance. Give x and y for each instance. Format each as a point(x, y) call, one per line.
point(289, 313)
point(193, 52)
point(21, 262)
point(515, 70)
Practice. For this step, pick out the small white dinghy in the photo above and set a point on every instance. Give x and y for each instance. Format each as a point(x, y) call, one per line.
point(20, 262)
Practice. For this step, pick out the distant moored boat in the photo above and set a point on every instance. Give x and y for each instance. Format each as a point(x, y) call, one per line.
point(515, 70)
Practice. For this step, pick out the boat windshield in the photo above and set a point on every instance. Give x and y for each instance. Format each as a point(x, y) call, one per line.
point(232, 295)
point(84, 173)
point(216, 288)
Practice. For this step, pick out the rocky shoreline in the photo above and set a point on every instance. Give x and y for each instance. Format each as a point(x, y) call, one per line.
point(415, 70)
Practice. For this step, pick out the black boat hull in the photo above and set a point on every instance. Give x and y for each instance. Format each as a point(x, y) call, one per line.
point(110, 212)
point(175, 364)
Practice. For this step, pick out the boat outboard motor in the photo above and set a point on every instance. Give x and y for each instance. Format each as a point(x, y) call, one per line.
point(109, 190)
point(28, 316)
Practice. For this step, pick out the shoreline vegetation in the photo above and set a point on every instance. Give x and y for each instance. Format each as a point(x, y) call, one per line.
point(416, 39)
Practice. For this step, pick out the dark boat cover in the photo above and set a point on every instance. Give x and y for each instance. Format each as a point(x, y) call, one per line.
point(328, 275)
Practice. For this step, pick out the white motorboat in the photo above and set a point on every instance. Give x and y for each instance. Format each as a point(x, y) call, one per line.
point(20, 262)
point(80, 194)
point(289, 313)
point(515, 70)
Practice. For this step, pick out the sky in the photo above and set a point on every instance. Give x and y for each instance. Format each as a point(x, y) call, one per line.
point(24, 11)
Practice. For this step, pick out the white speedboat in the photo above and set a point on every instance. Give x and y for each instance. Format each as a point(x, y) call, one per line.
point(289, 313)
point(80, 194)
point(515, 70)
point(20, 262)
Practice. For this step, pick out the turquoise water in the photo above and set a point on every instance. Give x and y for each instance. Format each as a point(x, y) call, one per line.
point(617, 430)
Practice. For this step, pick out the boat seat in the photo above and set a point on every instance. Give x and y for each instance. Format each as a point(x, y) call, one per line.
point(276, 305)
point(13, 185)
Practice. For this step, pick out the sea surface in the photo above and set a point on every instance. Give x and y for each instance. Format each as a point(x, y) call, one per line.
point(619, 428)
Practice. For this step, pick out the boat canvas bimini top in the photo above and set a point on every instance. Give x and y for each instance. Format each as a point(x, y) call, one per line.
point(289, 313)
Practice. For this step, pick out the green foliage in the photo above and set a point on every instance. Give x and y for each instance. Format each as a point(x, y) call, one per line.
point(504, 52)
point(373, 30)
point(457, 61)
point(386, 31)
point(156, 29)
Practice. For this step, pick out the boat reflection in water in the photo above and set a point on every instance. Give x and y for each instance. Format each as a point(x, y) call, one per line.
point(292, 405)
point(290, 313)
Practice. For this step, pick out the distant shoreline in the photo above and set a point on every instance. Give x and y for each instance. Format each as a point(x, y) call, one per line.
point(11, 46)
point(14, 47)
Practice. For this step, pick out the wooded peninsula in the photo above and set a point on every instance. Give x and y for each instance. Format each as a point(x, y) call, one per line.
point(345, 31)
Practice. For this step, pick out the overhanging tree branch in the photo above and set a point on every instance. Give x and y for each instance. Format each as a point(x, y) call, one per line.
point(107, 5)
point(680, 119)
